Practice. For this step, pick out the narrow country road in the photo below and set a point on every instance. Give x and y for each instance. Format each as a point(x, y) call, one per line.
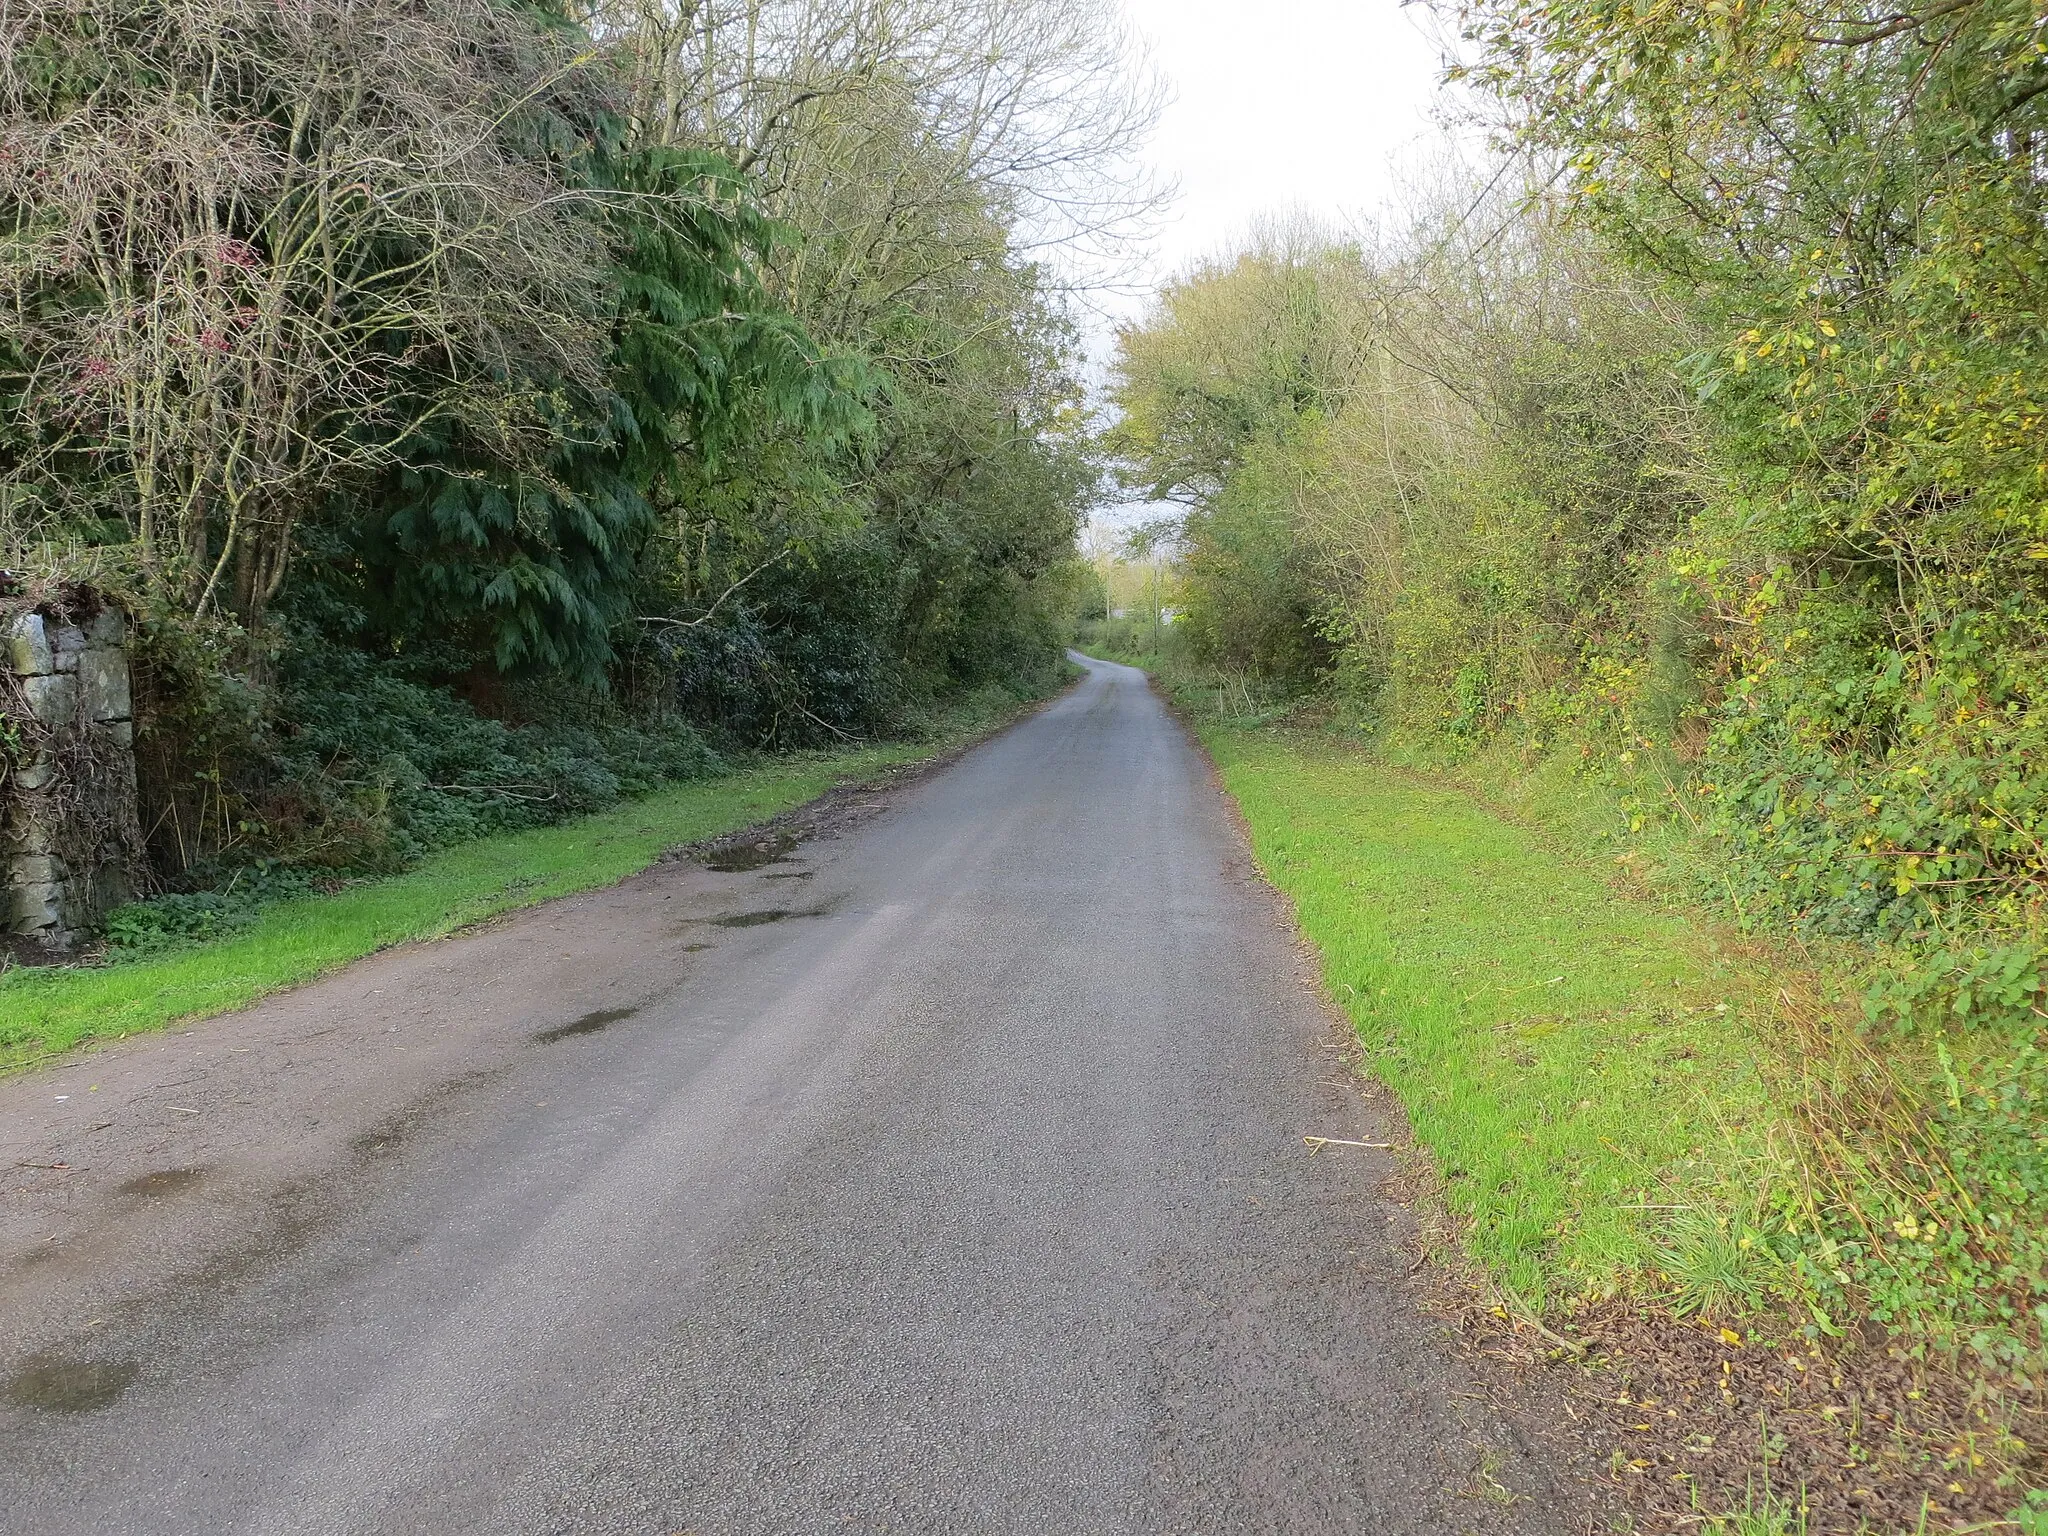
point(946, 1176)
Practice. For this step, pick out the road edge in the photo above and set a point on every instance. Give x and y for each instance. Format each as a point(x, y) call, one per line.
point(887, 780)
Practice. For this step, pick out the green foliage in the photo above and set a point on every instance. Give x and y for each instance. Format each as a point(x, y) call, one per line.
point(1714, 476)
point(2031, 1517)
point(1715, 1267)
point(1850, 204)
point(1219, 394)
point(527, 570)
point(497, 448)
point(538, 568)
point(355, 225)
point(179, 918)
point(1938, 1233)
point(406, 768)
point(834, 604)
point(1443, 504)
point(1763, 1513)
point(1586, 545)
point(1251, 604)
point(346, 761)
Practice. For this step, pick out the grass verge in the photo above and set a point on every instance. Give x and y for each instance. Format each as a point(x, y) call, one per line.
point(1664, 1142)
point(1621, 1123)
point(46, 1010)
point(1579, 1067)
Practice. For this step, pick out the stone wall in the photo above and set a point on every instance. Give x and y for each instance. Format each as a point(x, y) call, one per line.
point(70, 845)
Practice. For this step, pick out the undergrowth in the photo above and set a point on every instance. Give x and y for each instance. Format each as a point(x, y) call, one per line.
point(1909, 1168)
point(362, 764)
point(1922, 1192)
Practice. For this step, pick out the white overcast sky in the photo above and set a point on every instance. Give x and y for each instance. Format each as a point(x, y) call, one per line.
point(1280, 105)
point(1277, 107)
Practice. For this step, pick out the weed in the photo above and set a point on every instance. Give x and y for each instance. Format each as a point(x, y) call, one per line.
point(1761, 1515)
point(1486, 1480)
point(1716, 1266)
point(2031, 1518)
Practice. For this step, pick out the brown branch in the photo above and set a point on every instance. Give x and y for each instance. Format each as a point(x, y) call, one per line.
point(1892, 26)
point(708, 612)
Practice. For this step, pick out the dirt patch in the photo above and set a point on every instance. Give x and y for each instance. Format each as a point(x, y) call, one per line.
point(834, 813)
point(210, 1151)
point(1679, 1422)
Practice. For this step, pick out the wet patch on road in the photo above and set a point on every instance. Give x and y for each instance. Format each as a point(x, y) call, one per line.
point(54, 1384)
point(395, 1131)
point(738, 858)
point(589, 1024)
point(165, 1181)
point(755, 919)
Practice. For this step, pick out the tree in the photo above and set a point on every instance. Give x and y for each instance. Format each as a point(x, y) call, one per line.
point(256, 250)
point(1431, 468)
point(538, 566)
point(1850, 201)
point(916, 150)
point(868, 120)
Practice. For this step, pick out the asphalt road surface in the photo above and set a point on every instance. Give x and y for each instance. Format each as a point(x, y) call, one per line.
point(944, 1176)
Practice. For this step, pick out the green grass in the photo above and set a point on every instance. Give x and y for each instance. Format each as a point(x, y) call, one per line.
point(44, 1010)
point(1578, 1063)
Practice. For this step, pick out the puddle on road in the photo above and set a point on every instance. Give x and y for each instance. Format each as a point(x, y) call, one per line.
point(589, 1024)
point(57, 1385)
point(755, 919)
point(742, 857)
point(165, 1181)
point(794, 874)
point(773, 915)
point(696, 949)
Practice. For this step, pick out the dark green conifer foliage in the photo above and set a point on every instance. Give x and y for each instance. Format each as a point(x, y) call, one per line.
point(537, 567)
